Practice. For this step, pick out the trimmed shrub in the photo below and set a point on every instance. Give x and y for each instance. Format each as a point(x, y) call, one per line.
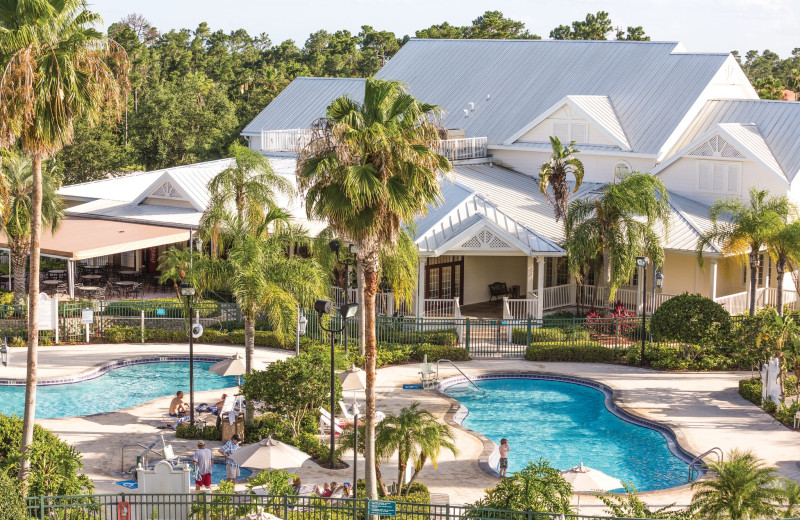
point(208, 432)
point(207, 308)
point(590, 352)
point(750, 389)
point(12, 505)
point(689, 318)
point(437, 352)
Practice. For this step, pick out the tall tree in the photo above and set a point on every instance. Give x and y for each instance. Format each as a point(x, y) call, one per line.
point(593, 27)
point(554, 174)
point(742, 229)
point(743, 488)
point(784, 248)
point(17, 214)
point(58, 69)
point(618, 223)
point(370, 169)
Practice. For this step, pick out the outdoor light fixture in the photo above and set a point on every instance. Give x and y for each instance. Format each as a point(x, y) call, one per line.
point(302, 323)
point(643, 261)
point(188, 291)
point(348, 310)
point(4, 352)
point(659, 279)
point(335, 245)
point(323, 307)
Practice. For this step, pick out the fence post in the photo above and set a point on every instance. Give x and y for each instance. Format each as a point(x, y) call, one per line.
point(447, 511)
point(528, 337)
point(142, 326)
point(41, 508)
point(466, 340)
point(205, 505)
point(285, 507)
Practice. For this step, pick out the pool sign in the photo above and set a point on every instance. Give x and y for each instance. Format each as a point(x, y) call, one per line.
point(87, 316)
point(161, 312)
point(382, 508)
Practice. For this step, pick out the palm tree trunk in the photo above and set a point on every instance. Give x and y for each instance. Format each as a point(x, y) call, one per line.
point(379, 480)
point(19, 259)
point(33, 329)
point(417, 470)
point(753, 281)
point(780, 269)
point(249, 349)
point(361, 315)
point(369, 261)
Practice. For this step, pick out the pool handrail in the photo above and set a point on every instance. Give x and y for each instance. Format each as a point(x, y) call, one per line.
point(147, 449)
point(460, 371)
point(699, 460)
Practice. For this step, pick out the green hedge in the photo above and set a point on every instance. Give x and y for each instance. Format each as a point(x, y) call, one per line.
point(437, 352)
point(750, 389)
point(447, 337)
point(208, 432)
point(206, 308)
point(134, 335)
point(551, 335)
point(589, 352)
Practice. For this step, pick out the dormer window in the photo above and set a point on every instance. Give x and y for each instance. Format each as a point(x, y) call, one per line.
point(570, 130)
point(720, 177)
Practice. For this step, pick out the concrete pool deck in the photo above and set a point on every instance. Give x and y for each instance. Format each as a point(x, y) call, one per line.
point(704, 410)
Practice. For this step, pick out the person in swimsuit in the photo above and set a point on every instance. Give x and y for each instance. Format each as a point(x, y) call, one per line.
point(504, 449)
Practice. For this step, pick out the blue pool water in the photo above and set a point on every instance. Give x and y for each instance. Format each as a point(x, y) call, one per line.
point(568, 424)
point(119, 388)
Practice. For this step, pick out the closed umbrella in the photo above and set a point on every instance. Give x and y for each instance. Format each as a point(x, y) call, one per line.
point(584, 478)
point(269, 454)
point(260, 515)
point(353, 379)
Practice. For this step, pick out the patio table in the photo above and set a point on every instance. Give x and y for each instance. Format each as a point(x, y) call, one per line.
point(91, 276)
point(51, 282)
point(126, 285)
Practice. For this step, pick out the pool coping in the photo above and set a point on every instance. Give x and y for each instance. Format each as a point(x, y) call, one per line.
point(102, 369)
point(455, 416)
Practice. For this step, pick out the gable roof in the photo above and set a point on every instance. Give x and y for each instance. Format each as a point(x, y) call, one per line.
point(174, 187)
point(595, 109)
point(302, 102)
point(745, 139)
point(777, 123)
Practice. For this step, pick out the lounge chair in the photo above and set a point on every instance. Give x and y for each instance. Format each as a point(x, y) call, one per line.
point(325, 423)
point(427, 374)
point(350, 418)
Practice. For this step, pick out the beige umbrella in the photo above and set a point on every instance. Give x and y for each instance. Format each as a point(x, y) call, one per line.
point(233, 366)
point(353, 379)
point(260, 515)
point(583, 478)
point(269, 454)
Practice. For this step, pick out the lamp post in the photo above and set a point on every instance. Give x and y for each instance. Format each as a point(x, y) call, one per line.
point(302, 323)
point(348, 310)
point(4, 352)
point(188, 291)
point(354, 379)
point(642, 261)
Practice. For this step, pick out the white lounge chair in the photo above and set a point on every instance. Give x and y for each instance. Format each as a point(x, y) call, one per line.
point(325, 423)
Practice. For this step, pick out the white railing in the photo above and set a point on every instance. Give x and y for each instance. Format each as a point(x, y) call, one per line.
point(558, 296)
point(734, 303)
point(384, 301)
point(765, 297)
point(654, 303)
point(468, 148)
point(520, 309)
point(440, 308)
point(285, 140)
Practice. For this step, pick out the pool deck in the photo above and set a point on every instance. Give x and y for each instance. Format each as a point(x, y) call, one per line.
point(704, 409)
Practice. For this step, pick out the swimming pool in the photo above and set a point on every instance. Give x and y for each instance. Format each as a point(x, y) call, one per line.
point(569, 423)
point(114, 389)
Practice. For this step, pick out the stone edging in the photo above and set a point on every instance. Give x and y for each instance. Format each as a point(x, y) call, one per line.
point(457, 413)
point(103, 368)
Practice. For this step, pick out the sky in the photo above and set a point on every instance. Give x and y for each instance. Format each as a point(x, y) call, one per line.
point(702, 25)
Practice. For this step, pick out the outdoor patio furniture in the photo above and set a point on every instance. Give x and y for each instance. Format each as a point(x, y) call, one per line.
point(498, 290)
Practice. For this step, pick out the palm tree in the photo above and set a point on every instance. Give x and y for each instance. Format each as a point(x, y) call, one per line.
point(555, 172)
point(17, 214)
point(743, 229)
point(249, 188)
point(744, 488)
point(784, 248)
point(417, 436)
point(57, 68)
point(617, 224)
point(369, 169)
point(791, 496)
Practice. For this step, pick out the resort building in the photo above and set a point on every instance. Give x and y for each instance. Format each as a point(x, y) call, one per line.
point(693, 119)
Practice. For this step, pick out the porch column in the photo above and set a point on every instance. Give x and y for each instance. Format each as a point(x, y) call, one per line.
point(529, 278)
point(71, 278)
point(420, 306)
point(540, 286)
point(713, 285)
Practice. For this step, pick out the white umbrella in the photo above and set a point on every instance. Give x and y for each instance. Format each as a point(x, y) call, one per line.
point(260, 515)
point(233, 366)
point(353, 379)
point(269, 454)
point(583, 478)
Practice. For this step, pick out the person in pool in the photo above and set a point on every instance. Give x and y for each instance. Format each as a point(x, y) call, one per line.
point(504, 449)
point(178, 407)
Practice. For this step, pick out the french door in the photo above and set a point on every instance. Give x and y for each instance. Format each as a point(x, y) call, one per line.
point(444, 278)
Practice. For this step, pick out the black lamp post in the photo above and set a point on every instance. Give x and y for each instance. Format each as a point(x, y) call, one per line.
point(188, 291)
point(642, 261)
point(348, 310)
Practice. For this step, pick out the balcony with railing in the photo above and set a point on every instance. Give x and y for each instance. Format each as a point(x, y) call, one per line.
point(291, 141)
point(462, 149)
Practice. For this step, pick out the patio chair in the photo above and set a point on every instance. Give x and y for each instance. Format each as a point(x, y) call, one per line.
point(325, 423)
point(427, 374)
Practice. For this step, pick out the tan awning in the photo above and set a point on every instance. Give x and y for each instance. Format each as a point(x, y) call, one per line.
point(81, 238)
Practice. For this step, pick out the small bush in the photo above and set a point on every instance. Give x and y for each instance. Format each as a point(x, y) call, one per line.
point(590, 352)
point(208, 432)
point(437, 352)
point(751, 388)
point(688, 318)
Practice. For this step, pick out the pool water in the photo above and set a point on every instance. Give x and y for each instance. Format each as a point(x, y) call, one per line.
point(568, 424)
point(119, 388)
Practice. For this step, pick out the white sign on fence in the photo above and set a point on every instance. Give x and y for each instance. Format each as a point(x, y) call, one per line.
point(87, 316)
point(48, 312)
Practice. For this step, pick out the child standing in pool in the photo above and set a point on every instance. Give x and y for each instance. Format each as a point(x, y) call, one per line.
point(504, 449)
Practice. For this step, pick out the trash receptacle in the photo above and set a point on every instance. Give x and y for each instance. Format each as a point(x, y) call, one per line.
point(228, 428)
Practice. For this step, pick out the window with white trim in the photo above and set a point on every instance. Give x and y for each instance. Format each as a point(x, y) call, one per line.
point(622, 169)
point(569, 130)
point(719, 177)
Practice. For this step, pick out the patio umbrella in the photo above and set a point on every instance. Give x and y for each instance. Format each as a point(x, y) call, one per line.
point(233, 366)
point(583, 478)
point(269, 454)
point(260, 515)
point(353, 379)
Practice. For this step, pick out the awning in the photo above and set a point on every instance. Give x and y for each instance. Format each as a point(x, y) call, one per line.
point(81, 238)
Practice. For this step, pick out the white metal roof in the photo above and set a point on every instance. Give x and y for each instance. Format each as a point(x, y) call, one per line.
point(777, 122)
point(302, 102)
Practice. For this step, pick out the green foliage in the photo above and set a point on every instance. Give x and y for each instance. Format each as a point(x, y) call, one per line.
point(630, 505)
point(12, 504)
point(751, 388)
point(588, 352)
point(683, 357)
point(274, 481)
point(538, 487)
point(687, 318)
point(175, 307)
point(555, 174)
point(6, 297)
point(208, 432)
point(119, 334)
point(436, 352)
point(744, 488)
point(293, 388)
point(55, 465)
point(491, 24)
